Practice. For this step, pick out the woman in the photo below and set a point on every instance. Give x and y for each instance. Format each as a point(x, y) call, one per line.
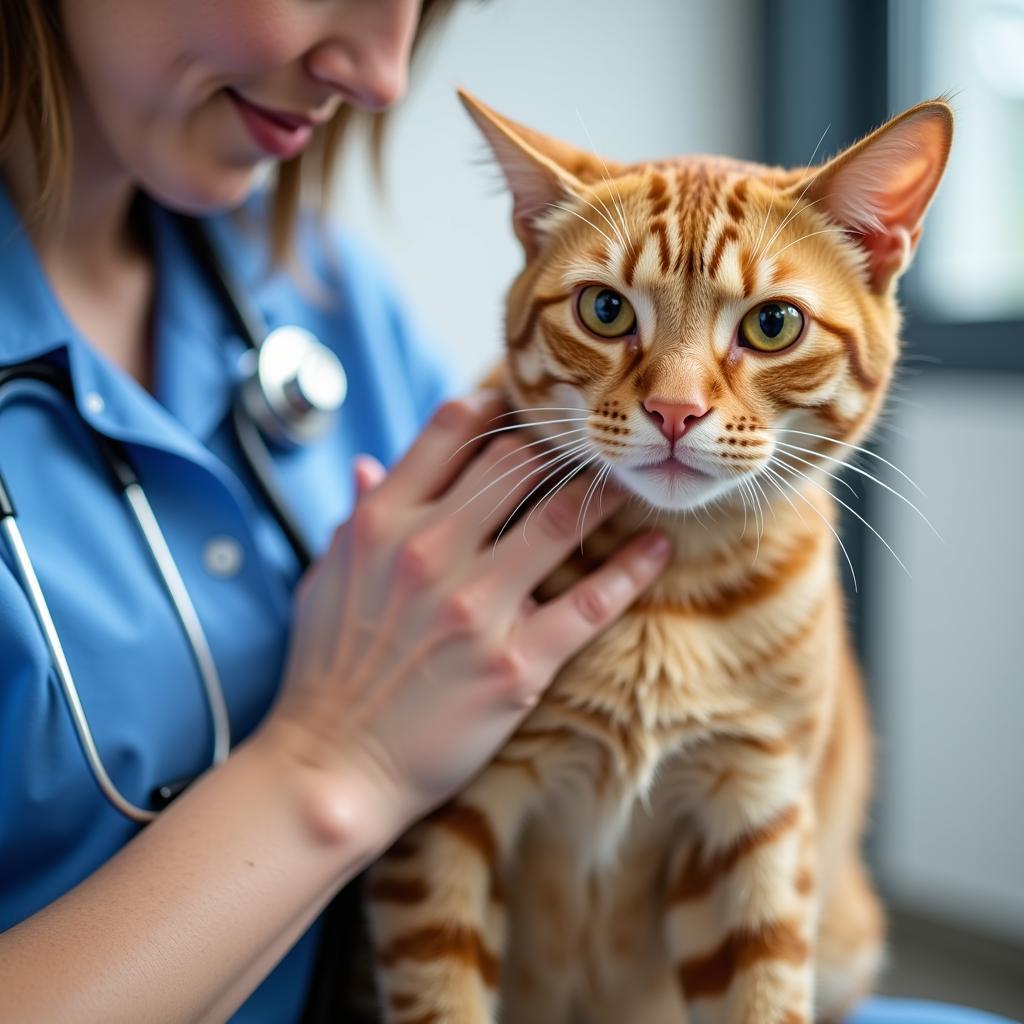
point(358, 699)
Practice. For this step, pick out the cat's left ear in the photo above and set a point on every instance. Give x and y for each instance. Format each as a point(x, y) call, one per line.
point(541, 172)
point(881, 187)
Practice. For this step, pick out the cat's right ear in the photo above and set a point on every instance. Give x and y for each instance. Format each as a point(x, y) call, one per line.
point(534, 167)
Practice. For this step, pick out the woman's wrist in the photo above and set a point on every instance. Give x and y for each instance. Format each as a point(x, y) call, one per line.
point(342, 800)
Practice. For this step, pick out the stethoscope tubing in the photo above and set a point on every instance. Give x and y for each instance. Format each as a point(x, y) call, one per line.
point(263, 405)
point(155, 541)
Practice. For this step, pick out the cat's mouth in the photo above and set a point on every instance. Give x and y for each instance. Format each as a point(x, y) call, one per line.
point(671, 468)
point(671, 483)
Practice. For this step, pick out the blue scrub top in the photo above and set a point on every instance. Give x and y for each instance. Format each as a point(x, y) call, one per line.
point(132, 665)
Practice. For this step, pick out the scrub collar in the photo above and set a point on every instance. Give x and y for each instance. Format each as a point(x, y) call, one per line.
point(194, 361)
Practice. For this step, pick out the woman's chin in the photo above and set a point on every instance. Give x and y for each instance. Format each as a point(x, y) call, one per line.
point(205, 191)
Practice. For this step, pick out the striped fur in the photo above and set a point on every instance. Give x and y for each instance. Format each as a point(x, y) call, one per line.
point(673, 833)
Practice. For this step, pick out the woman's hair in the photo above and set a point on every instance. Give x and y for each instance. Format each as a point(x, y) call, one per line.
point(33, 88)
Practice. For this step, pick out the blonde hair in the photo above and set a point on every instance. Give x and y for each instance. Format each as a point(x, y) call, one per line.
point(33, 89)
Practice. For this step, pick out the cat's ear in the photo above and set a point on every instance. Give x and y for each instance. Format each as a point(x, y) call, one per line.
point(541, 172)
point(881, 187)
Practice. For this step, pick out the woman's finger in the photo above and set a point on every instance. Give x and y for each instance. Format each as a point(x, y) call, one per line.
point(447, 443)
point(369, 474)
point(531, 548)
point(562, 626)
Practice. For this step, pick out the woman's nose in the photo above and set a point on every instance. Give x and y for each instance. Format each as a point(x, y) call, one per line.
point(367, 60)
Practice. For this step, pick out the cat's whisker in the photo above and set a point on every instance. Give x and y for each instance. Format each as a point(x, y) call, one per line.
point(581, 520)
point(803, 497)
point(549, 497)
point(771, 507)
point(864, 473)
point(607, 177)
point(600, 497)
point(556, 460)
point(579, 216)
point(852, 511)
point(775, 484)
point(559, 466)
point(515, 426)
point(788, 219)
point(533, 458)
point(857, 448)
point(539, 408)
point(615, 227)
point(767, 216)
point(565, 455)
point(811, 234)
point(541, 440)
point(743, 498)
point(820, 469)
point(759, 525)
point(796, 206)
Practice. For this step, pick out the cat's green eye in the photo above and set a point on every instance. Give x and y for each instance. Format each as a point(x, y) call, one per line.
point(605, 312)
point(771, 327)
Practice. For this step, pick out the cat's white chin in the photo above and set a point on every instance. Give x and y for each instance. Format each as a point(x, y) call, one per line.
point(670, 487)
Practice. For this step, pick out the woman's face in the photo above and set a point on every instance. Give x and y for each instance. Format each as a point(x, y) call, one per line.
point(188, 97)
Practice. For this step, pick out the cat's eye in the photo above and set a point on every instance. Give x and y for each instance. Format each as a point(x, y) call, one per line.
point(605, 312)
point(771, 327)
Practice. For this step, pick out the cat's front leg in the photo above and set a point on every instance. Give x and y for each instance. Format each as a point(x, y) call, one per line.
point(437, 905)
point(741, 910)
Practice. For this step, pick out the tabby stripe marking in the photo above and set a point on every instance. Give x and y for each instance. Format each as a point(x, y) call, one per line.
point(541, 388)
point(540, 303)
point(470, 825)
point(735, 207)
point(632, 256)
point(732, 597)
point(575, 356)
point(601, 254)
point(749, 272)
point(514, 762)
point(804, 881)
point(782, 268)
point(729, 234)
point(402, 849)
point(699, 875)
point(711, 975)
point(398, 890)
point(658, 228)
point(430, 1017)
point(441, 942)
point(849, 340)
point(783, 647)
point(402, 1000)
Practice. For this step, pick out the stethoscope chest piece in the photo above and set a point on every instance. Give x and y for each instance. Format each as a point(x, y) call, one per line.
point(293, 386)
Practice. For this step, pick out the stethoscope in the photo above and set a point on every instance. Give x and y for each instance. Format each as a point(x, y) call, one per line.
point(291, 388)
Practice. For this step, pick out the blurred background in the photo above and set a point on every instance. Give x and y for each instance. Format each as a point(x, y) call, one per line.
point(943, 646)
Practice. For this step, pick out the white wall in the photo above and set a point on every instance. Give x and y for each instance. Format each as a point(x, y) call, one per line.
point(648, 78)
point(950, 668)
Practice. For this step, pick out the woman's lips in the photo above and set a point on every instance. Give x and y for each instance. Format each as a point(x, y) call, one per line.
point(277, 134)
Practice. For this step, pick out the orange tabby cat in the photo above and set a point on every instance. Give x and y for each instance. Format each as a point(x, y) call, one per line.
point(673, 833)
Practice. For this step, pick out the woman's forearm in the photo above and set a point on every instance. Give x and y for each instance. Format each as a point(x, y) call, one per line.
point(186, 920)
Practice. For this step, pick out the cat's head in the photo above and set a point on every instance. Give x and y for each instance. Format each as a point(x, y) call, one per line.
point(701, 322)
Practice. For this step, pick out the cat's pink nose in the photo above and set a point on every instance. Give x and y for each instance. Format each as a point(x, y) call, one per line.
point(675, 418)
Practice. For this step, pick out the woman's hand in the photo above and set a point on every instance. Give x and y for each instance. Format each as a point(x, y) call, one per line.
point(416, 647)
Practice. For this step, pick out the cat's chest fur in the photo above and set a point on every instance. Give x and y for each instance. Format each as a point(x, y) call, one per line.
point(733, 641)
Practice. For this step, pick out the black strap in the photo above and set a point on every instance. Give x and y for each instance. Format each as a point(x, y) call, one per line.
point(343, 989)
